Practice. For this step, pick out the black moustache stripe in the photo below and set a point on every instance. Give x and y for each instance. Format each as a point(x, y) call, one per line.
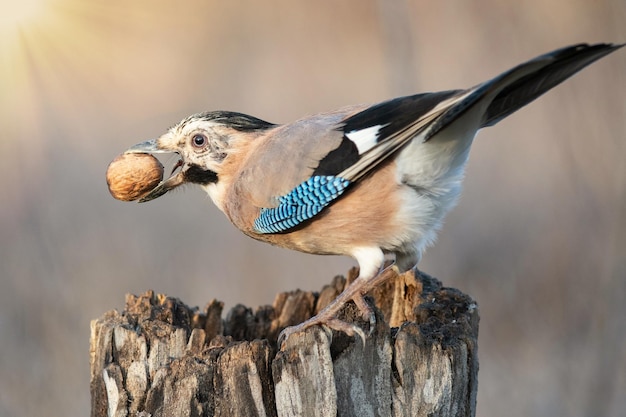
point(198, 175)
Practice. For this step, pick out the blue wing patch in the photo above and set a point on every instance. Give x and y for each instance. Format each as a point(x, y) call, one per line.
point(301, 204)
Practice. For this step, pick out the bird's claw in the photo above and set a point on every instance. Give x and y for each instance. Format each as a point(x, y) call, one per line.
point(350, 329)
point(366, 311)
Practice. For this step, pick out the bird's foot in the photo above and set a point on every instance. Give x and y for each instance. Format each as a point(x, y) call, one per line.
point(328, 316)
point(350, 329)
point(328, 321)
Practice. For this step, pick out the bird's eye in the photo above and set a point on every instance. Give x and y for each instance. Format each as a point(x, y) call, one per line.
point(198, 141)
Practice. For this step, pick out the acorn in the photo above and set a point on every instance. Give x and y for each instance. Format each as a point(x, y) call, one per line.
point(132, 175)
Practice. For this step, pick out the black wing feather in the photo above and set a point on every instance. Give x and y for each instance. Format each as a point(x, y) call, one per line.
point(396, 114)
point(338, 159)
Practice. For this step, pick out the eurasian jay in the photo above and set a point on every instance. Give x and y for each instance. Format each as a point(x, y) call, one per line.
point(362, 181)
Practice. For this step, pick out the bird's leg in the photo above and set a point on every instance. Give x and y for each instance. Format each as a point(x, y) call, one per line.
point(366, 286)
point(354, 292)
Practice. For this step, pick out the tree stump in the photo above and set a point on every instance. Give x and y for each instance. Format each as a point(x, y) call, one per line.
point(161, 358)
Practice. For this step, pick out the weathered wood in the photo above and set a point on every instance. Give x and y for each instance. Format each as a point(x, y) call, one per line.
point(161, 358)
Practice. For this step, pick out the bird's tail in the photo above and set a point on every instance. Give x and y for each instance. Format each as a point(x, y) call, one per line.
point(518, 86)
point(531, 79)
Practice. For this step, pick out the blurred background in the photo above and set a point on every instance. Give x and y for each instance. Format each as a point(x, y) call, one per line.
point(539, 238)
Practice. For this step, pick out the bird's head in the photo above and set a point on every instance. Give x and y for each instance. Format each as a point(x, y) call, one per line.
point(202, 142)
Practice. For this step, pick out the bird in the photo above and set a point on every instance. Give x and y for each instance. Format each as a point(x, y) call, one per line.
point(369, 181)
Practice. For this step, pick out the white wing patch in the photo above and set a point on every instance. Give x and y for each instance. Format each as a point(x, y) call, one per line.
point(365, 139)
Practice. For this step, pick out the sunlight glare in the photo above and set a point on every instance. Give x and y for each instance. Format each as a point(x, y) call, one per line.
point(17, 15)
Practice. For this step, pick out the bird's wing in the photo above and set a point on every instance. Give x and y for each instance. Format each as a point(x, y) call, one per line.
point(287, 156)
point(315, 160)
point(380, 130)
point(344, 151)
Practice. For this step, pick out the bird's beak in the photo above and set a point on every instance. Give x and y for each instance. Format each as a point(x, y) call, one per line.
point(152, 146)
point(149, 146)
